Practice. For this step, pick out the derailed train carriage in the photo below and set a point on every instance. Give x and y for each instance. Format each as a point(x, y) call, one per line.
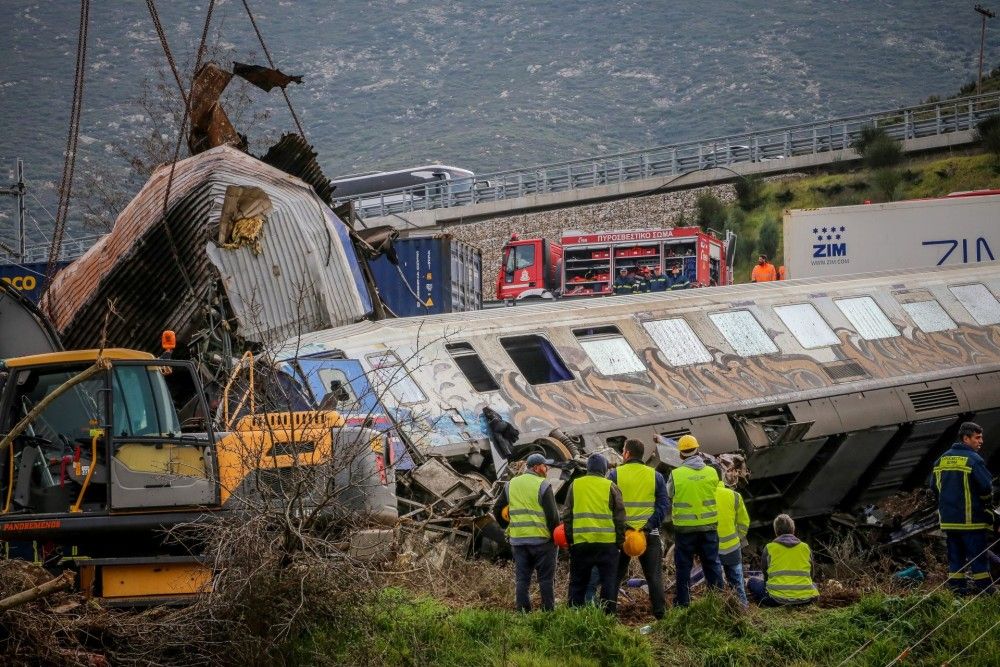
point(838, 393)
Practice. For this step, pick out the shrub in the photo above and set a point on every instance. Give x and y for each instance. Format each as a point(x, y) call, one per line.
point(711, 210)
point(768, 239)
point(988, 136)
point(878, 149)
point(887, 182)
point(748, 192)
point(785, 196)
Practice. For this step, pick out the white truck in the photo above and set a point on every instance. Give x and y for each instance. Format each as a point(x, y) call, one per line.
point(961, 228)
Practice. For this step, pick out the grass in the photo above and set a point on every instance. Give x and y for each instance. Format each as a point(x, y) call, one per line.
point(403, 629)
point(928, 176)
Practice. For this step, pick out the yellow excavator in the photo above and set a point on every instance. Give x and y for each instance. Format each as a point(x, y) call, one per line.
point(102, 451)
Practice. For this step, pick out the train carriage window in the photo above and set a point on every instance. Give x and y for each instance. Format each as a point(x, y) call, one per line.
point(744, 333)
point(472, 366)
point(391, 375)
point(677, 342)
point(979, 301)
point(929, 316)
point(610, 353)
point(537, 360)
point(867, 318)
point(807, 325)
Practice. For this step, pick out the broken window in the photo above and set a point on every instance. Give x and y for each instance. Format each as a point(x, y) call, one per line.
point(472, 366)
point(867, 318)
point(807, 325)
point(929, 316)
point(537, 360)
point(677, 342)
point(979, 301)
point(744, 333)
point(610, 353)
point(391, 375)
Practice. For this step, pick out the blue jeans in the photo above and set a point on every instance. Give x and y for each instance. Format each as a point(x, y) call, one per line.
point(704, 544)
point(967, 552)
point(732, 567)
point(758, 591)
point(530, 559)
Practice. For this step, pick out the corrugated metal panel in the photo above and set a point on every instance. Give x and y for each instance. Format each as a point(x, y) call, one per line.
point(979, 301)
point(446, 275)
point(742, 330)
point(134, 265)
point(807, 325)
point(929, 316)
point(867, 318)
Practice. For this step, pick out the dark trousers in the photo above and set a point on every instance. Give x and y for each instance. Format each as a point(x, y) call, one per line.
point(967, 552)
point(704, 544)
point(651, 562)
point(530, 559)
point(732, 568)
point(583, 558)
point(758, 592)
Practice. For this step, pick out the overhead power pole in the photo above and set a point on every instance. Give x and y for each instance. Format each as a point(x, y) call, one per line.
point(18, 190)
point(987, 14)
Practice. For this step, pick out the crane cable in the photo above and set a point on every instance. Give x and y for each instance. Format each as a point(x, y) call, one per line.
point(69, 163)
point(907, 612)
point(151, 4)
point(970, 644)
point(270, 61)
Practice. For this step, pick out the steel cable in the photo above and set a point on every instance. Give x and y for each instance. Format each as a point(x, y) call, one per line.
point(970, 644)
point(915, 605)
point(151, 4)
point(270, 61)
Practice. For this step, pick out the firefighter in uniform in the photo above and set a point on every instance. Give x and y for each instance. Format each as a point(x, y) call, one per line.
point(644, 492)
point(734, 523)
point(658, 282)
point(691, 489)
point(595, 529)
point(787, 564)
point(533, 514)
point(963, 486)
point(624, 284)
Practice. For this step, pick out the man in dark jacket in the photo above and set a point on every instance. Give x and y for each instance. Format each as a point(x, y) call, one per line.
point(533, 516)
point(658, 282)
point(595, 529)
point(624, 283)
point(644, 492)
point(963, 486)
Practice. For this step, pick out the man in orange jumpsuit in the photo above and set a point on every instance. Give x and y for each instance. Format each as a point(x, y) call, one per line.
point(764, 271)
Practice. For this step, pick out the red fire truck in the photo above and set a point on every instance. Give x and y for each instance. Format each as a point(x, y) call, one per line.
point(584, 264)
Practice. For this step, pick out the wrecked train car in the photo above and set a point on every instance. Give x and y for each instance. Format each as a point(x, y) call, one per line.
point(837, 392)
point(244, 250)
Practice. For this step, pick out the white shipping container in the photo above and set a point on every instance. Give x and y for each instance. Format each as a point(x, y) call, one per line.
point(841, 240)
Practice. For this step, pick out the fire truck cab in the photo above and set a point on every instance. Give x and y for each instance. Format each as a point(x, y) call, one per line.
point(586, 264)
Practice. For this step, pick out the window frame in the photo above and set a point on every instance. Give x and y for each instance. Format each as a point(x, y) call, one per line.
point(389, 385)
point(706, 357)
point(473, 353)
point(878, 308)
point(818, 314)
point(610, 333)
point(712, 316)
point(972, 313)
point(548, 342)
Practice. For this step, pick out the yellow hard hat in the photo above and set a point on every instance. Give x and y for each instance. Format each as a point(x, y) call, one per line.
point(687, 443)
point(635, 543)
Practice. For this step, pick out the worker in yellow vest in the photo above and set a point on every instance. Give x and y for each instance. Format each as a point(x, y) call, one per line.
point(691, 489)
point(533, 516)
point(734, 523)
point(787, 564)
point(595, 529)
point(644, 492)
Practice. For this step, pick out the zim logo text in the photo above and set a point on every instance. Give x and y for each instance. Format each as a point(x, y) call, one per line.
point(838, 247)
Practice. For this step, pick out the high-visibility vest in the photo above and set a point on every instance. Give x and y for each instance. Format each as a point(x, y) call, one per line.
point(788, 573)
point(593, 522)
point(638, 484)
point(727, 503)
point(694, 496)
point(527, 518)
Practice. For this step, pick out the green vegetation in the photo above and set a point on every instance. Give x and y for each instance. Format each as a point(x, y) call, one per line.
point(928, 176)
point(988, 136)
point(406, 630)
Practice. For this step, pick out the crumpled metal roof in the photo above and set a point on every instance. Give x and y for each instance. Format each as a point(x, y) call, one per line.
point(305, 277)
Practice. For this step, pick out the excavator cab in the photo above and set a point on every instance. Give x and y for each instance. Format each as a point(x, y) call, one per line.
point(111, 443)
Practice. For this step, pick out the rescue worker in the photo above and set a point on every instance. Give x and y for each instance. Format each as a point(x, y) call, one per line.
point(595, 529)
point(764, 271)
point(533, 516)
point(677, 278)
point(734, 523)
point(658, 282)
point(691, 490)
point(624, 283)
point(781, 272)
point(644, 492)
point(787, 565)
point(642, 280)
point(963, 486)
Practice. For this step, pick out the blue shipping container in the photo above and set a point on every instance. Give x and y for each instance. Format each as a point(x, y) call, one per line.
point(27, 278)
point(444, 273)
